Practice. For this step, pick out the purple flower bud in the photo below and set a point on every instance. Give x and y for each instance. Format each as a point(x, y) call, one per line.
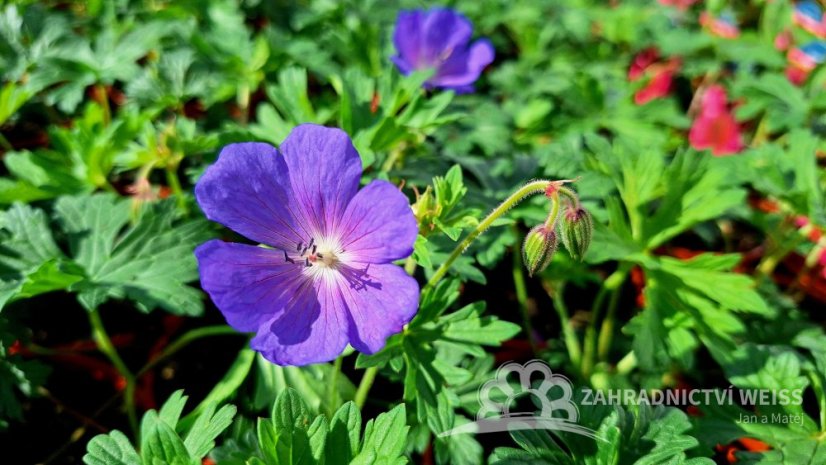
point(577, 228)
point(538, 248)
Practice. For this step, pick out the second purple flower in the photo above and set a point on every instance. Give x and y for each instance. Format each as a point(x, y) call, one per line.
point(439, 39)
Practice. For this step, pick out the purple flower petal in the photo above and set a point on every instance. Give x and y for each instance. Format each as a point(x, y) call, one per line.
point(406, 38)
point(464, 68)
point(439, 39)
point(249, 284)
point(247, 190)
point(445, 32)
point(378, 231)
point(325, 171)
point(312, 329)
point(381, 299)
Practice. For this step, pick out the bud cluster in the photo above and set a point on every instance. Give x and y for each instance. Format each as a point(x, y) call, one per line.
point(574, 226)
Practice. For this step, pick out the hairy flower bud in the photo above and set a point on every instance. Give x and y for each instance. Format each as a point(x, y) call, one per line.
point(576, 229)
point(538, 248)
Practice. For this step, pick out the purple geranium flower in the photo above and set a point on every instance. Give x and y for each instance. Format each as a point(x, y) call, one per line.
point(327, 277)
point(439, 39)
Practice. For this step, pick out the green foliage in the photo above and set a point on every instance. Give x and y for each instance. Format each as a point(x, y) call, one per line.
point(148, 261)
point(701, 270)
point(639, 436)
point(162, 442)
point(292, 435)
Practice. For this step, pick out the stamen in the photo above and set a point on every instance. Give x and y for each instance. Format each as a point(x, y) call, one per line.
point(298, 249)
point(307, 262)
point(314, 247)
point(287, 257)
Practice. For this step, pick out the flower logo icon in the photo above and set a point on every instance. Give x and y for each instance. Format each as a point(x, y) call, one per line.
point(540, 393)
point(550, 392)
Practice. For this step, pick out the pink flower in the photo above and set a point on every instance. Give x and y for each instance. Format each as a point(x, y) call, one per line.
point(715, 127)
point(661, 75)
point(724, 26)
point(783, 40)
point(682, 5)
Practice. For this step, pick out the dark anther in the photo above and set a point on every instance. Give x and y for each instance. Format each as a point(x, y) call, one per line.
point(298, 248)
point(319, 256)
point(307, 262)
point(314, 247)
point(287, 257)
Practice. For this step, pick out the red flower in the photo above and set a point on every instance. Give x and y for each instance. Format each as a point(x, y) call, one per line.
point(715, 127)
point(661, 75)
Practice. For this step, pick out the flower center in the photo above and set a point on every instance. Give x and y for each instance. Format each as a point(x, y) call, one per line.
point(312, 254)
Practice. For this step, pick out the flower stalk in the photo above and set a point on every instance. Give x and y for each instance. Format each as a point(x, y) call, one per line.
point(104, 343)
point(529, 189)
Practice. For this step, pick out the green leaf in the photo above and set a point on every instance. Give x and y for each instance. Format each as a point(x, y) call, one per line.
point(311, 382)
point(290, 438)
point(160, 443)
point(343, 440)
point(468, 326)
point(148, 262)
point(111, 449)
point(386, 436)
point(30, 261)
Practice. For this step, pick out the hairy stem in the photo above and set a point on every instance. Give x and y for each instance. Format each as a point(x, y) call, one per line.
point(521, 194)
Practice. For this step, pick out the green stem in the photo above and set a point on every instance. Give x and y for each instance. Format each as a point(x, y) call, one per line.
point(105, 345)
point(184, 340)
point(550, 222)
point(391, 160)
point(627, 363)
point(522, 294)
point(611, 284)
point(606, 332)
point(104, 103)
point(522, 193)
point(364, 386)
point(175, 184)
point(568, 333)
point(410, 266)
point(332, 387)
point(5, 144)
point(243, 99)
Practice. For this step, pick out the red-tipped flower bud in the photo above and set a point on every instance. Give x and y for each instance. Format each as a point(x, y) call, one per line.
point(538, 248)
point(576, 229)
